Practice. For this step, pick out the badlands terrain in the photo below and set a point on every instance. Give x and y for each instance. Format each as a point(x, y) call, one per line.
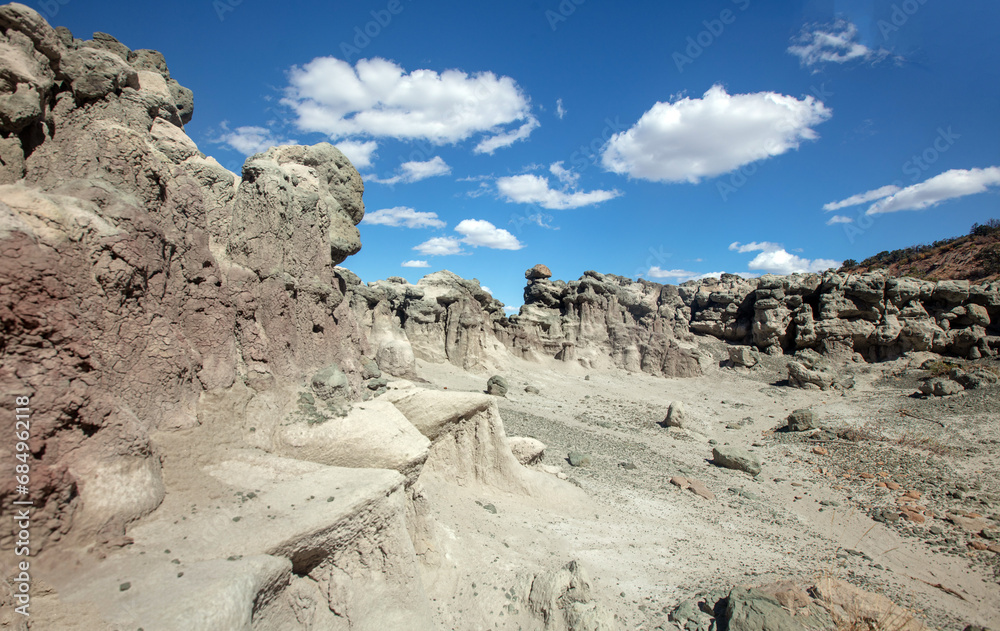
point(229, 430)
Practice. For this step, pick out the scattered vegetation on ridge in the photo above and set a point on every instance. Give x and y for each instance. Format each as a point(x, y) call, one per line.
point(975, 257)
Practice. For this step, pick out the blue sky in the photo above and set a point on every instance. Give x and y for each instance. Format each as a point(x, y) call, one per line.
point(667, 139)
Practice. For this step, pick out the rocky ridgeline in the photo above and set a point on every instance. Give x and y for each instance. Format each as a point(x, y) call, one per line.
point(600, 321)
point(603, 320)
point(841, 314)
point(442, 318)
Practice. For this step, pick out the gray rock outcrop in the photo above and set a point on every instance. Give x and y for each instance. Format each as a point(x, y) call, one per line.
point(737, 458)
point(602, 320)
point(842, 314)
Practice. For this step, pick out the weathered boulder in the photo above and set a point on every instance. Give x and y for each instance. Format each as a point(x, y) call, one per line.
point(676, 415)
point(801, 420)
point(744, 356)
point(527, 450)
point(94, 73)
point(941, 387)
point(538, 272)
point(497, 386)
point(737, 458)
point(562, 600)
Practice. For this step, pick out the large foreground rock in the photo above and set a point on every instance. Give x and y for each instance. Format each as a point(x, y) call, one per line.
point(315, 547)
point(736, 458)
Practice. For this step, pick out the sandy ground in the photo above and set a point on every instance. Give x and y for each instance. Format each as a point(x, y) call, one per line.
point(648, 545)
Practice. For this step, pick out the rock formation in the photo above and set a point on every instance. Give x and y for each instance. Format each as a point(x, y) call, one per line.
point(135, 278)
point(196, 362)
point(601, 321)
point(842, 314)
point(182, 331)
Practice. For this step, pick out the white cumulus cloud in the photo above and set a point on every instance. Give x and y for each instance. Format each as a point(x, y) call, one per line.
point(416, 170)
point(862, 198)
point(476, 233)
point(440, 246)
point(479, 232)
point(360, 153)
point(680, 275)
point(378, 98)
point(948, 185)
point(403, 216)
point(690, 139)
point(774, 259)
point(832, 43)
point(250, 140)
point(415, 264)
point(534, 189)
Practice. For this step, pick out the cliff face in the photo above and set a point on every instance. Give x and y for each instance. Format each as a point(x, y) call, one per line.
point(597, 322)
point(841, 314)
point(603, 321)
point(138, 274)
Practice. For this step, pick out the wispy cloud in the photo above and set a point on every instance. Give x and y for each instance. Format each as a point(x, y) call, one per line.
point(403, 216)
point(415, 171)
point(743, 248)
point(534, 189)
point(862, 198)
point(415, 264)
point(832, 43)
point(506, 139)
point(560, 110)
point(948, 185)
point(837, 219)
point(690, 139)
point(564, 175)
